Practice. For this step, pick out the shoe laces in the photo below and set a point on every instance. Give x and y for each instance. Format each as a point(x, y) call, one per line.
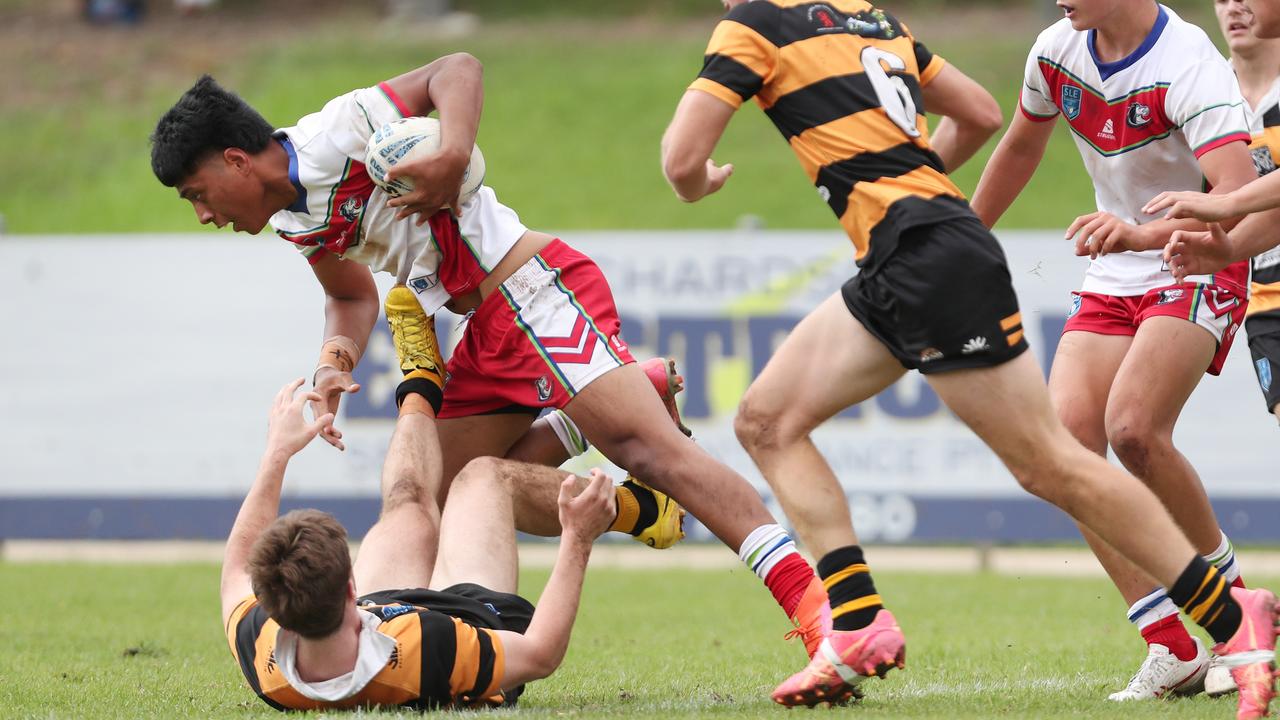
point(1153, 670)
point(411, 331)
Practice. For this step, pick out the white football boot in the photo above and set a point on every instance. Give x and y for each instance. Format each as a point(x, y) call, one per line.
point(1218, 680)
point(1162, 673)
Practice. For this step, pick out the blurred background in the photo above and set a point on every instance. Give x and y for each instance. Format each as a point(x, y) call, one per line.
point(141, 348)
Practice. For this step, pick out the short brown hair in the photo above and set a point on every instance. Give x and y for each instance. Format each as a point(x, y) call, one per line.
point(299, 569)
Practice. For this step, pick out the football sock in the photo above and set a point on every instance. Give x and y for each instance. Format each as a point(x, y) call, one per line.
point(637, 508)
point(771, 554)
point(575, 443)
point(423, 383)
point(1156, 617)
point(854, 601)
point(1204, 595)
point(1224, 558)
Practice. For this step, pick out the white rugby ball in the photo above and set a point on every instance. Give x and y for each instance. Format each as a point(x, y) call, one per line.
point(408, 138)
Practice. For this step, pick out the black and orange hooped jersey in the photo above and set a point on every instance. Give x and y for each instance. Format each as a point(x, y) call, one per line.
point(1265, 291)
point(439, 661)
point(841, 80)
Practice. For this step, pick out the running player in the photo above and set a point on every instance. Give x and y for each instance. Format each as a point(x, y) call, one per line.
point(1152, 106)
point(846, 84)
point(427, 617)
point(544, 329)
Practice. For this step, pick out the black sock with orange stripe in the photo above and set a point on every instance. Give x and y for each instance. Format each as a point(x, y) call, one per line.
point(854, 602)
point(1205, 596)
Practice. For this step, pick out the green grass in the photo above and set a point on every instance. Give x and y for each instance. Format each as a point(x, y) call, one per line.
point(91, 641)
point(574, 112)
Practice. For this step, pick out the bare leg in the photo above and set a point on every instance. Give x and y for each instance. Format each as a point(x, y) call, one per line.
point(1084, 370)
point(1008, 407)
point(627, 422)
point(467, 438)
point(399, 551)
point(826, 364)
point(477, 533)
point(539, 446)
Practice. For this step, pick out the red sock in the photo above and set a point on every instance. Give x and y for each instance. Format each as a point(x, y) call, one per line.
point(1238, 582)
point(1171, 633)
point(788, 580)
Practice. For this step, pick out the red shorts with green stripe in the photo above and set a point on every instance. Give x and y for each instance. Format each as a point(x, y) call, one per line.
point(1216, 308)
point(547, 332)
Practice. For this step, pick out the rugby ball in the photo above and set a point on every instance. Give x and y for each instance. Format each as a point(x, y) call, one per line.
point(408, 138)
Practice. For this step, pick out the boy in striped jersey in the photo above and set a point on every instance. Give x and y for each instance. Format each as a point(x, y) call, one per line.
point(543, 329)
point(427, 617)
point(1151, 106)
point(847, 84)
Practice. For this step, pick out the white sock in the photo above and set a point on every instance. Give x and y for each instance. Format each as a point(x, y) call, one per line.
point(765, 547)
point(1224, 558)
point(575, 443)
point(1152, 608)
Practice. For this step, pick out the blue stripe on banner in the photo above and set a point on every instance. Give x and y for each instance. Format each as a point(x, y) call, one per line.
point(768, 553)
point(899, 518)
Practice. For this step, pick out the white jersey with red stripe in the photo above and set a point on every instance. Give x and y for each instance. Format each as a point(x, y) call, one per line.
point(340, 211)
point(1141, 124)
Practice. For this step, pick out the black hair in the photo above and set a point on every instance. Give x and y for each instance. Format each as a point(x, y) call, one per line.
point(207, 118)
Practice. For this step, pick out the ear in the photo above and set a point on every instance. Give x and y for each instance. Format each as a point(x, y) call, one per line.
point(238, 160)
point(351, 589)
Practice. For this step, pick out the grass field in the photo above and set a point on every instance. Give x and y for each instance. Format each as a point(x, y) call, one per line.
point(574, 111)
point(89, 641)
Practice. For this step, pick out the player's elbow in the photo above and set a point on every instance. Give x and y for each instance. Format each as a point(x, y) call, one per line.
point(681, 170)
point(985, 117)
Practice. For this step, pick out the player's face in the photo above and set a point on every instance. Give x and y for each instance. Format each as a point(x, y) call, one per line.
point(223, 191)
point(1087, 14)
point(1266, 17)
point(1235, 19)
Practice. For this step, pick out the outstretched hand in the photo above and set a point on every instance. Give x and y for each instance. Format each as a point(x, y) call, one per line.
point(1101, 233)
point(331, 383)
point(287, 429)
point(587, 516)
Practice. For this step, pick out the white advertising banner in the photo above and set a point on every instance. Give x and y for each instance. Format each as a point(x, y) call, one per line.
point(142, 367)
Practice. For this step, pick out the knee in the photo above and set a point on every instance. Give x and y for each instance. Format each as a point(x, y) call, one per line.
point(486, 474)
point(760, 429)
point(409, 498)
point(1135, 441)
point(1056, 470)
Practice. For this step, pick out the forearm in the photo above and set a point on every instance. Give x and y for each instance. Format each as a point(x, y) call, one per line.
point(1257, 196)
point(260, 508)
point(1007, 173)
point(558, 607)
point(352, 318)
point(956, 143)
point(1256, 234)
point(457, 91)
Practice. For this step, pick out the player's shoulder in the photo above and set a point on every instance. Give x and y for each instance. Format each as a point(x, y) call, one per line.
point(757, 14)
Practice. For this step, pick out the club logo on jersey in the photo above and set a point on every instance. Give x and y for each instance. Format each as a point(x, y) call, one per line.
point(350, 209)
point(1108, 131)
point(930, 354)
point(423, 283)
point(1071, 101)
point(1138, 115)
point(1170, 296)
point(543, 386)
point(389, 611)
point(1264, 373)
point(975, 345)
point(1075, 304)
point(1263, 161)
point(873, 24)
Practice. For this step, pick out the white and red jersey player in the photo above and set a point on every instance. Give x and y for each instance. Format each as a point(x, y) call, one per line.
point(339, 210)
point(559, 297)
point(1141, 124)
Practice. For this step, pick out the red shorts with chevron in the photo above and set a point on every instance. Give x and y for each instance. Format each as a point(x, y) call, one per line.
point(546, 333)
point(1218, 308)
